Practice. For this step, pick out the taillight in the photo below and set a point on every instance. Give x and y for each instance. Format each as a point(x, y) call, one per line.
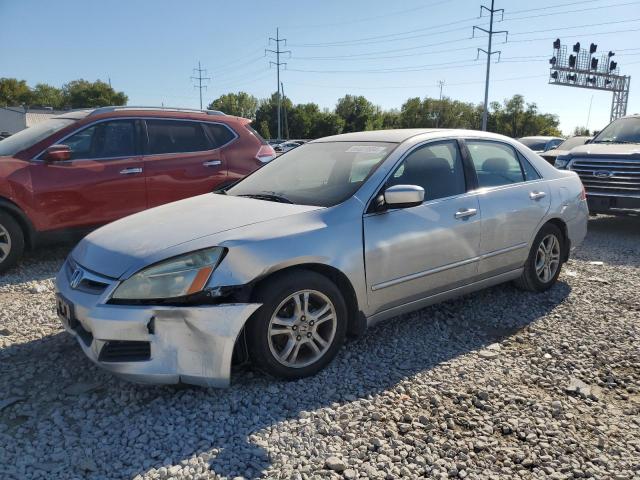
point(265, 154)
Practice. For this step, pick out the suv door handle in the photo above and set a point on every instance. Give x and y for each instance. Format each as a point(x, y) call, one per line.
point(131, 171)
point(537, 195)
point(212, 163)
point(465, 213)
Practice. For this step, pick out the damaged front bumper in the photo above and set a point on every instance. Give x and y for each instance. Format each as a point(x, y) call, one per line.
point(154, 344)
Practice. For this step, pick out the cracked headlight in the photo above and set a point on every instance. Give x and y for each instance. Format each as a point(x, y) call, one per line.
point(173, 278)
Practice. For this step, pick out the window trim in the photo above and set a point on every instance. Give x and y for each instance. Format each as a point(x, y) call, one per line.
point(518, 156)
point(145, 150)
point(143, 131)
point(370, 210)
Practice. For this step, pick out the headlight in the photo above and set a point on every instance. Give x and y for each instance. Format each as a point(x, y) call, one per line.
point(561, 162)
point(173, 278)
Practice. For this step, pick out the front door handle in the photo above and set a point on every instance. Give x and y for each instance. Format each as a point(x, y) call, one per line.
point(131, 171)
point(212, 163)
point(537, 195)
point(465, 213)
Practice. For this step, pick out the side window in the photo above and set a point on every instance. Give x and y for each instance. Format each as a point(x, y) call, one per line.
point(495, 163)
point(220, 134)
point(173, 136)
point(530, 173)
point(104, 140)
point(435, 167)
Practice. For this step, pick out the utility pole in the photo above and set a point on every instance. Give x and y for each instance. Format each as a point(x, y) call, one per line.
point(441, 85)
point(286, 123)
point(489, 52)
point(277, 63)
point(200, 78)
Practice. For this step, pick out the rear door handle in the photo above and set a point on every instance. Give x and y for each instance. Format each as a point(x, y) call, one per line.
point(212, 163)
point(465, 213)
point(537, 195)
point(131, 171)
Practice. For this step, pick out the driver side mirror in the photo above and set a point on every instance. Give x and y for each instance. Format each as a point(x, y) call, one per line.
point(57, 153)
point(403, 196)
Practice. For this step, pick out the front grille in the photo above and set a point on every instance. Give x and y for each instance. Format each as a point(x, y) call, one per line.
point(91, 283)
point(609, 177)
point(125, 351)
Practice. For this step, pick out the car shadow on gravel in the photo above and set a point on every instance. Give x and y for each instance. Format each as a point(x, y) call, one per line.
point(130, 429)
point(39, 264)
point(612, 240)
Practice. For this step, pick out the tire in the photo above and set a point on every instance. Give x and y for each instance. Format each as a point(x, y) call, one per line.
point(11, 241)
point(301, 335)
point(532, 278)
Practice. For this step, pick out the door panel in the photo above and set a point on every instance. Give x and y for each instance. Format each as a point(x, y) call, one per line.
point(88, 192)
point(179, 161)
point(512, 206)
point(510, 219)
point(102, 182)
point(416, 252)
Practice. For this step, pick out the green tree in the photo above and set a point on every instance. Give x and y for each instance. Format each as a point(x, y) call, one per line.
point(516, 118)
point(268, 112)
point(358, 113)
point(85, 94)
point(44, 95)
point(240, 104)
point(263, 129)
point(581, 131)
point(14, 92)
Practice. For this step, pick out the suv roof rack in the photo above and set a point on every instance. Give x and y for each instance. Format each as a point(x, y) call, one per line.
point(100, 110)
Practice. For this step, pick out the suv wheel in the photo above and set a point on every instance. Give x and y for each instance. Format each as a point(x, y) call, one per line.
point(300, 326)
point(11, 241)
point(544, 262)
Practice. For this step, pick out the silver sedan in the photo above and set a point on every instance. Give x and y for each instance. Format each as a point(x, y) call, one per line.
point(324, 241)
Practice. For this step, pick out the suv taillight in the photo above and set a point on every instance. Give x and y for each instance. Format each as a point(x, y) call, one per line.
point(265, 154)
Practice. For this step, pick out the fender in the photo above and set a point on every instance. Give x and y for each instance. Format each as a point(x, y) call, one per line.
point(27, 227)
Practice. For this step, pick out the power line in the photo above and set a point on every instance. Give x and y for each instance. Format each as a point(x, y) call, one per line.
point(489, 52)
point(277, 63)
point(200, 78)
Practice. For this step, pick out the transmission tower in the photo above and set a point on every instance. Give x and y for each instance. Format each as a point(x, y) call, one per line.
point(489, 52)
point(200, 78)
point(277, 63)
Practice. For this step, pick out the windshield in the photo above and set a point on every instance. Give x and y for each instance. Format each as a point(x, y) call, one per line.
point(534, 143)
point(321, 174)
point(623, 130)
point(32, 135)
point(569, 143)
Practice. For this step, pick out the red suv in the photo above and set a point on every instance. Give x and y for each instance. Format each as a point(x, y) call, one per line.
point(87, 168)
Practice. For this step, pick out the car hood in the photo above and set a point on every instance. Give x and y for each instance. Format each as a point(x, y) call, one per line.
point(607, 150)
point(116, 248)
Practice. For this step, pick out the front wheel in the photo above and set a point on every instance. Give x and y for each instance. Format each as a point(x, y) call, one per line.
point(543, 265)
point(300, 326)
point(11, 241)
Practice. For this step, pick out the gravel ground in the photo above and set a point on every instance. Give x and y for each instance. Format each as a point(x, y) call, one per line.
point(499, 384)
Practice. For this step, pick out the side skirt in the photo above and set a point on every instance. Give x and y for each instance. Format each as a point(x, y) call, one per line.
point(440, 297)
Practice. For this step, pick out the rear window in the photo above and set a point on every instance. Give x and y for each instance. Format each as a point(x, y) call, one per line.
point(533, 143)
point(256, 134)
point(220, 134)
point(174, 136)
point(32, 135)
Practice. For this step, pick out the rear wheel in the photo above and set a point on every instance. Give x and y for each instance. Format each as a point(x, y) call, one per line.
point(300, 326)
point(544, 263)
point(11, 241)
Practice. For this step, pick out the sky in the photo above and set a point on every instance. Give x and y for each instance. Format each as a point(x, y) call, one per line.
point(386, 51)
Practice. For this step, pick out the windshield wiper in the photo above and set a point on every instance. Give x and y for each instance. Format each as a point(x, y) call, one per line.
point(269, 196)
point(614, 141)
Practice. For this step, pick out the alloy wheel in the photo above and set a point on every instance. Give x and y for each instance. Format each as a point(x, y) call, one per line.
point(302, 328)
point(5, 243)
point(547, 258)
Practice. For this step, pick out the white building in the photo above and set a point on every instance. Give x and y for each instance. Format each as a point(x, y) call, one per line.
point(14, 119)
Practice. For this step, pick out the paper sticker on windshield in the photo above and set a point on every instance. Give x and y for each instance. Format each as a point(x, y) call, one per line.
point(366, 149)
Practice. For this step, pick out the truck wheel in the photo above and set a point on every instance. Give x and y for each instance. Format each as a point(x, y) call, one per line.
point(300, 326)
point(11, 241)
point(543, 265)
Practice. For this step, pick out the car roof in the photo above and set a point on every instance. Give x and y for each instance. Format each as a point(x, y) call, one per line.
point(541, 137)
point(160, 112)
point(402, 135)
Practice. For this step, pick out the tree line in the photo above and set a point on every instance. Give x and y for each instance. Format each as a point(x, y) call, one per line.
point(514, 117)
point(74, 94)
